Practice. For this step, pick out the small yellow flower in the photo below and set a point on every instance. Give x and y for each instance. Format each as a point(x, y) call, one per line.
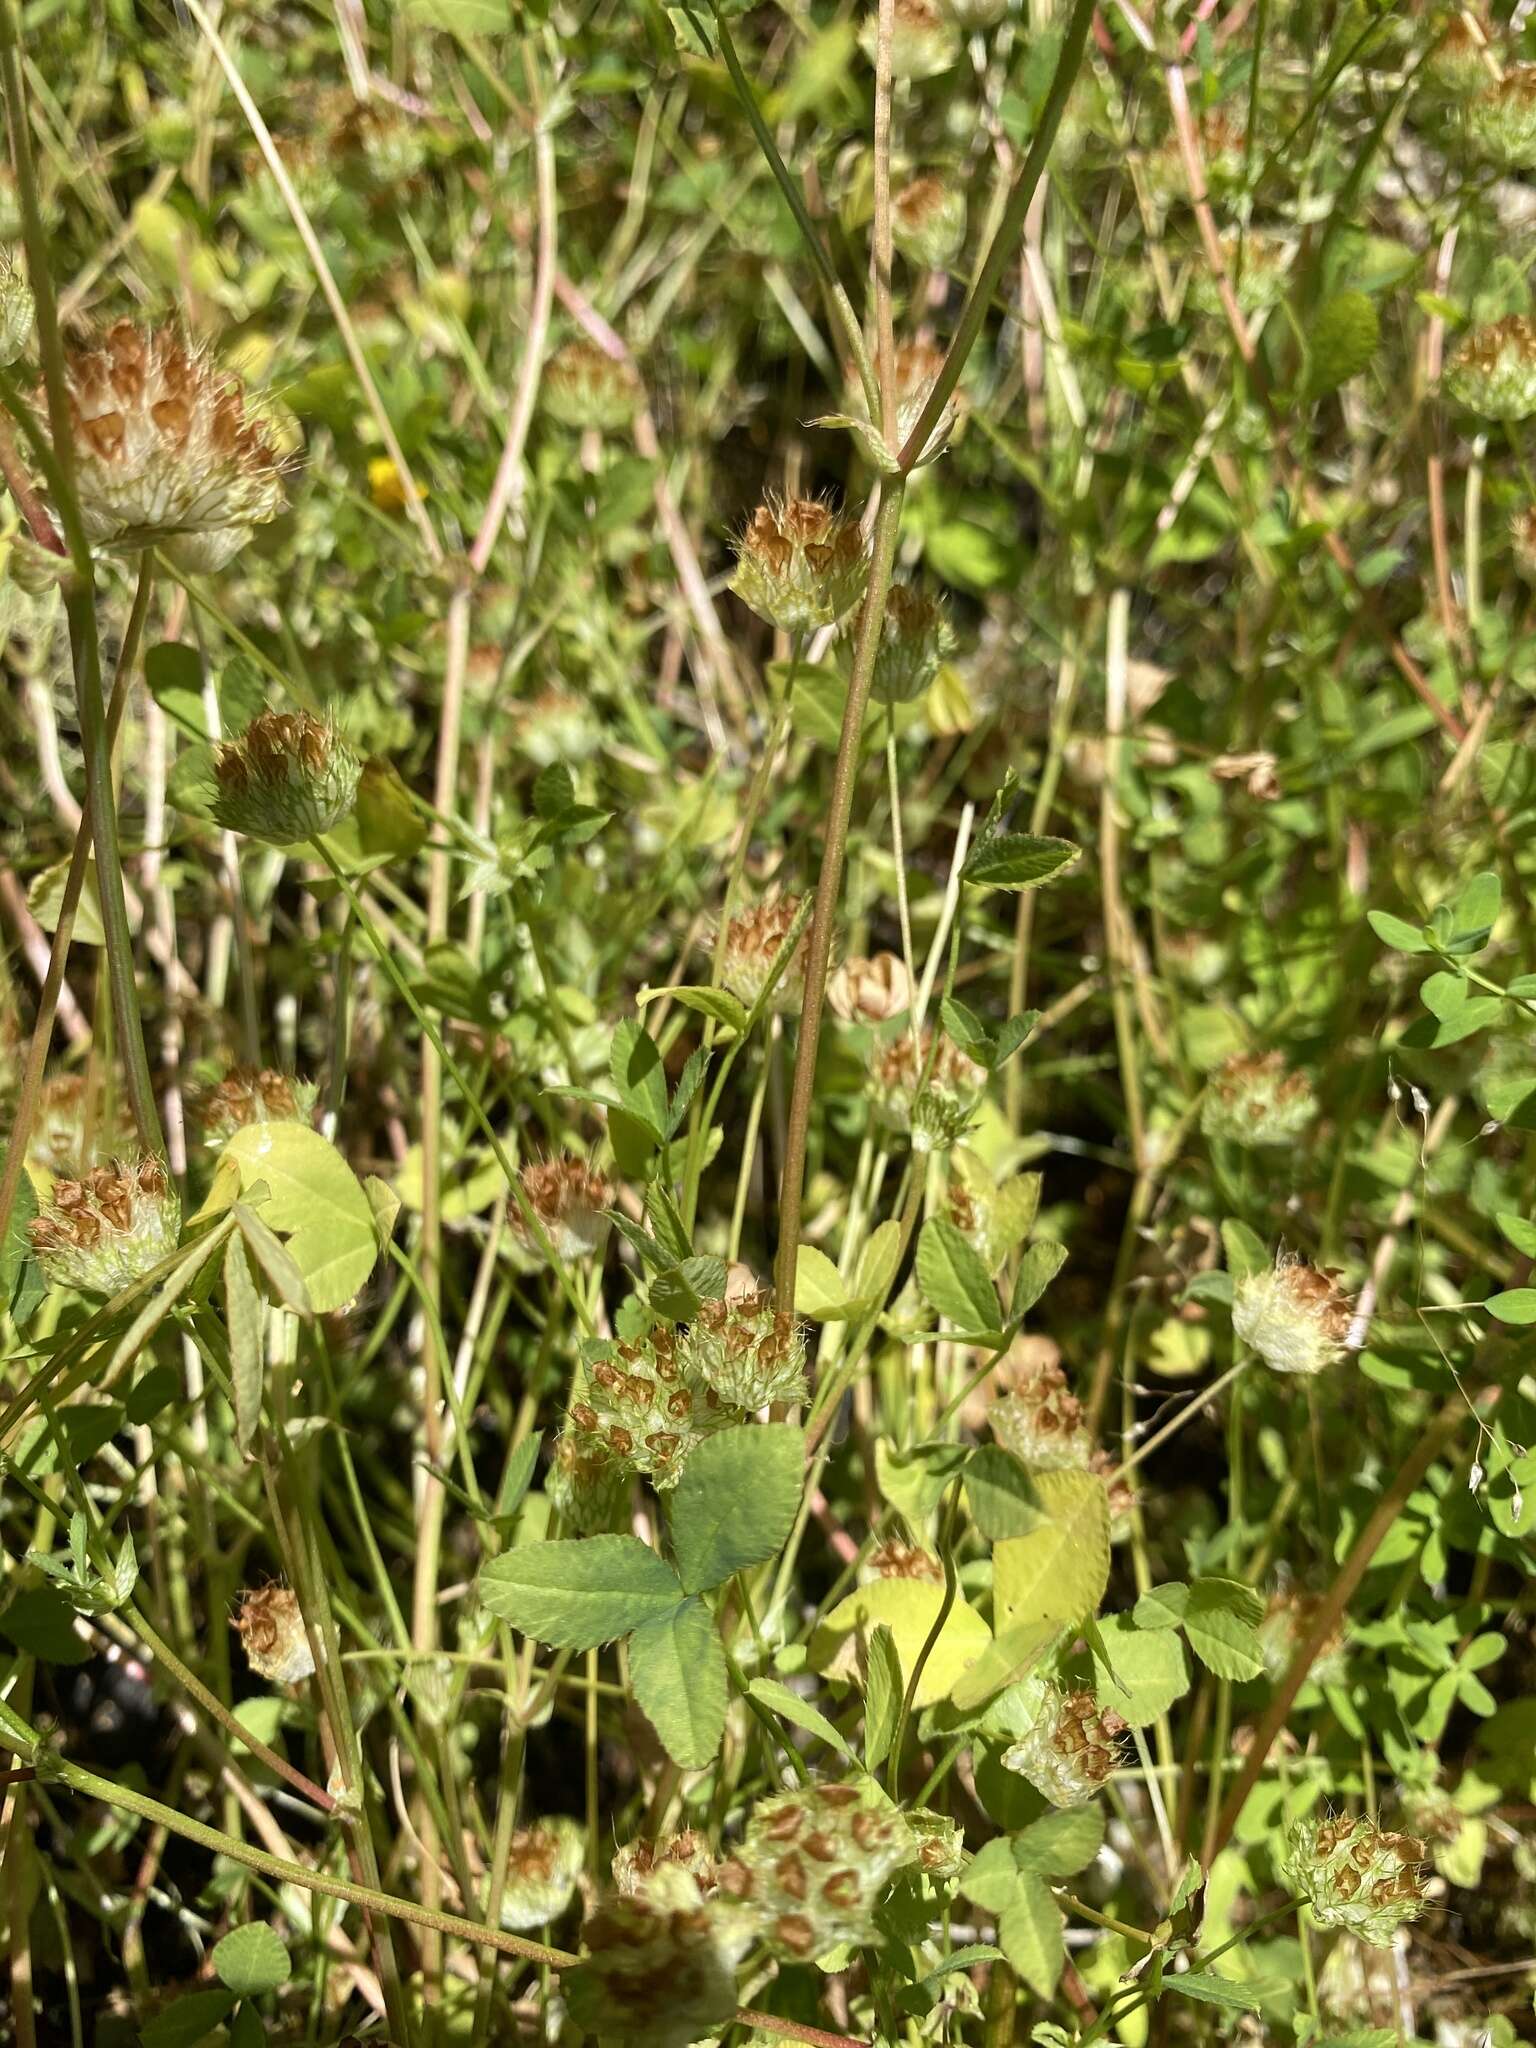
point(388, 487)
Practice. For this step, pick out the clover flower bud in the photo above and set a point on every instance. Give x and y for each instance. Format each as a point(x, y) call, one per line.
point(636, 1865)
point(273, 1635)
point(940, 1843)
point(583, 386)
point(815, 1864)
point(915, 636)
point(895, 1560)
point(923, 41)
point(747, 1351)
point(928, 222)
point(799, 564)
point(1257, 1101)
point(1071, 1748)
point(753, 940)
point(568, 1199)
point(1501, 119)
point(17, 310)
point(587, 1482)
point(544, 1862)
point(1041, 1421)
point(1288, 1621)
point(254, 1095)
point(288, 777)
point(102, 1232)
point(1522, 539)
point(935, 1112)
point(1354, 1875)
point(1292, 1315)
point(649, 1409)
point(166, 453)
point(660, 1968)
point(557, 726)
point(870, 991)
point(1492, 370)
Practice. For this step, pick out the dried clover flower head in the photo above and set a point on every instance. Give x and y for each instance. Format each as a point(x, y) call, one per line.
point(814, 1866)
point(1522, 539)
point(288, 777)
point(166, 453)
point(1288, 1621)
point(16, 311)
point(936, 1112)
point(753, 940)
point(583, 386)
point(1256, 1100)
point(870, 991)
point(543, 1863)
point(747, 1351)
point(648, 1407)
point(109, 1228)
point(915, 637)
point(569, 1199)
point(900, 1561)
point(67, 1132)
point(254, 1095)
point(1492, 370)
point(924, 42)
point(586, 1482)
point(556, 726)
point(1354, 1875)
point(1501, 119)
point(928, 222)
point(636, 1864)
point(273, 1635)
point(799, 564)
point(660, 1966)
point(1041, 1421)
point(1292, 1315)
point(1070, 1750)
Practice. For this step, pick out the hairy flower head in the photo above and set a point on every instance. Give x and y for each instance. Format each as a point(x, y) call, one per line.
point(167, 453)
point(915, 637)
point(288, 777)
point(583, 386)
point(659, 1966)
point(16, 311)
point(254, 1095)
point(544, 1862)
point(1292, 1315)
point(1041, 1421)
point(815, 1864)
point(649, 1407)
point(870, 991)
point(753, 941)
point(569, 1199)
point(799, 564)
point(1492, 370)
point(1355, 1875)
point(273, 1635)
point(109, 1228)
point(1071, 1748)
point(1256, 1100)
point(928, 222)
point(747, 1351)
point(1501, 119)
point(928, 1089)
point(924, 40)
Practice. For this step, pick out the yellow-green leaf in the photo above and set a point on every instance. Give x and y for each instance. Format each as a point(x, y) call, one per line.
point(908, 1608)
point(316, 1202)
point(1056, 1573)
